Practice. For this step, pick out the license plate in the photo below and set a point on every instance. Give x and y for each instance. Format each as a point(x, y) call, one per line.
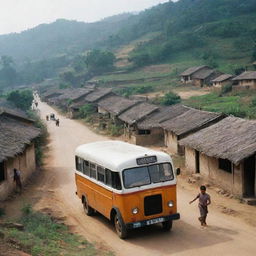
point(154, 221)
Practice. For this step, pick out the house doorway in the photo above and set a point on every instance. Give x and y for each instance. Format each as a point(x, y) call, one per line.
point(197, 161)
point(249, 177)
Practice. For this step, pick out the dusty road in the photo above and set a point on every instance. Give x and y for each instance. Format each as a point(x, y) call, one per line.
point(226, 235)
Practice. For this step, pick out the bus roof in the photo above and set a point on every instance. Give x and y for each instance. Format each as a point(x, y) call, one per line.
point(117, 155)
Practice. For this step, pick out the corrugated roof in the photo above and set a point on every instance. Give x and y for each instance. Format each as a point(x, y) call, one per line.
point(137, 112)
point(231, 138)
point(190, 121)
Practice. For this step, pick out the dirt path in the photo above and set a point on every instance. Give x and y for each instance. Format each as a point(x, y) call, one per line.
point(226, 235)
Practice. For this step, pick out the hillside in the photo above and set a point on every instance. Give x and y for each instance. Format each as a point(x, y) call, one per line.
point(58, 38)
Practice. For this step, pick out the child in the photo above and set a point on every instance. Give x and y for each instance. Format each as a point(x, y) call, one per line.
point(204, 201)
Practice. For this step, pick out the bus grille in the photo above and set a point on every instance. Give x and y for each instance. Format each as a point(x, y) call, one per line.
point(153, 205)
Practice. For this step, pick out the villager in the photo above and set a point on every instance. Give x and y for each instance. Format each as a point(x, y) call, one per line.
point(47, 118)
point(204, 201)
point(58, 122)
point(17, 179)
point(36, 103)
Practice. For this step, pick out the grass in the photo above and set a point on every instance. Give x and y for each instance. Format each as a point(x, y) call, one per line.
point(44, 236)
point(239, 104)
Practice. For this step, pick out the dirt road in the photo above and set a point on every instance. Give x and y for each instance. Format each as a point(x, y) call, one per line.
point(226, 235)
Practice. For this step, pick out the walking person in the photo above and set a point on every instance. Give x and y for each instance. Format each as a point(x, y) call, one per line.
point(47, 118)
point(17, 179)
point(204, 201)
point(58, 122)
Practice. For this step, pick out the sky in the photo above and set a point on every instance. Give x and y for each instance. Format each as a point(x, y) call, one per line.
point(19, 15)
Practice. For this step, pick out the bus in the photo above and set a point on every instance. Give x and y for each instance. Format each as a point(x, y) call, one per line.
point(130, 185)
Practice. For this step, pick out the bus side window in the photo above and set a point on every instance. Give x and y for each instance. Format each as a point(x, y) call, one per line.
point(93, 171)
point(108, 178)
point(100, 174)
point(86, 168)
point(116, 182)
point(79, 164)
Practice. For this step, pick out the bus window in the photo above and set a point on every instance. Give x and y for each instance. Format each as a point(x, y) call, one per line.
point(93, 171)
point(100, 174)
point(136, 177)
point(108, 178)
point(86, 169)
point(160, 172)
point(79, 164)
point(116, 182)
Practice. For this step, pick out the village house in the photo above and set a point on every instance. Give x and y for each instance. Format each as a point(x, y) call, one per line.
point(222, 80)
point(91, 98)
point(132, 116)
point(114, 105)
point(187, 75)
point(224, 154)
point(204, 77)
point(246, 80)
point(50, 94)
point(149, 130)
point(17, 149)
point(185, 124)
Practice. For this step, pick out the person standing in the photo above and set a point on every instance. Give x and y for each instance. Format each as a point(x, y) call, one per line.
point(17, 179)
point(58, 122)
point(204, 201)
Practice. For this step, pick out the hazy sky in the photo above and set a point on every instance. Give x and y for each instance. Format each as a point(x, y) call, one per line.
point(19, 15)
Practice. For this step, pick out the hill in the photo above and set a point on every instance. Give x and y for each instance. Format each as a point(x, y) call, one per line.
point(58, 38)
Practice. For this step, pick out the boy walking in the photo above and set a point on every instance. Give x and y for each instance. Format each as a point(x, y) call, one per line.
point(204, 201)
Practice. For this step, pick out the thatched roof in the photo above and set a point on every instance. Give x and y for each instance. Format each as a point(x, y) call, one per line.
point(115, 104)
point(232, 138)
point(162, 114)
point(192, 70)
point(15, 113)
point(222, 78)
point(15, 136)
point(74, 94)
point(97, 94)
point(137, 113)
point(247, 75)
point(203, 74)
point(190, 121)
point(52, 93)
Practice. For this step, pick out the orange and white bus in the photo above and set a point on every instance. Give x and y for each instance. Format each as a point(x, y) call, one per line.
point(130, 185)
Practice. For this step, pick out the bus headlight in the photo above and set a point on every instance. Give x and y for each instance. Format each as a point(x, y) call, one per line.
point(135, 210)
point(170, 204)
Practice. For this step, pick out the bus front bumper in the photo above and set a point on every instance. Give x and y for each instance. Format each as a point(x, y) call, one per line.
point(144, 223)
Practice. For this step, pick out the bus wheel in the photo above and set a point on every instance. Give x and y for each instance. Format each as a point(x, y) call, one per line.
point(167, 225)
point(120, 227)
point(87, 209)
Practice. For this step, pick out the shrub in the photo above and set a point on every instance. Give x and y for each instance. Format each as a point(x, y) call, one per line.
point(115, 130)
point(227, 88)
point(253, 102)
point(86, 111)
point(21, 99)
point(170, 98)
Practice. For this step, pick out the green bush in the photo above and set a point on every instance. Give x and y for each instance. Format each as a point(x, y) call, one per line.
point(225, 89)
point(21, 99)
point(115, 130)
point(86, 111)
point(170, 98)
point(253, 102)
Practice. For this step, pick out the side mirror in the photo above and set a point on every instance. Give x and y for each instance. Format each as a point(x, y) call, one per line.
point(178, 171)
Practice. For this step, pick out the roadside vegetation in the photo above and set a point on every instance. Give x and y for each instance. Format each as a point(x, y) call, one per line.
point(41, 234)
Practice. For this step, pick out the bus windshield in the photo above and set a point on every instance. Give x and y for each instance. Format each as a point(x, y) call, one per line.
point(140, 176)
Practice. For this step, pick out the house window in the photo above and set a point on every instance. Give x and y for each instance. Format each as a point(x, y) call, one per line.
point(143, 132)
point(2, 171)
point(225, 165)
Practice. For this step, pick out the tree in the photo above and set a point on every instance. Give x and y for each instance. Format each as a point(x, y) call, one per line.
point(21, 99)
point(8, 74)
point(98, 61)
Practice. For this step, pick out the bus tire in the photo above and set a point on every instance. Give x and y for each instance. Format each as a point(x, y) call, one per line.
point(89, 211)
point(120, 227)
point(167, 225)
